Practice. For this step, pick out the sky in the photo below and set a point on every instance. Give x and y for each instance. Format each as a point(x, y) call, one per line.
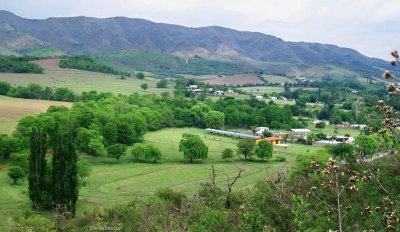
point(369, 26)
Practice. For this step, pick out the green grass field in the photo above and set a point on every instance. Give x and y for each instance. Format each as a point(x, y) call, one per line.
point(115, 183)
point(330, 130)
point(79, 81)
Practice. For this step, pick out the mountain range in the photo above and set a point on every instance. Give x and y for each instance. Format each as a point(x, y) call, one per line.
point(125, 41)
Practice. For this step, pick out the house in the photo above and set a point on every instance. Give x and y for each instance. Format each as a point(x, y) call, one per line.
point(259, 97)
point(273, 98)
point(260, 130)
point(192, 87)
point(316, 121)
point(322, 143)
point(229, 91)
point(344, 139)
point(219, 93)
point(354, 91)
point(210, 90)
point(273, 140)
point(231, 133)
point(359, 126)
point(343, 125)
point(299, 134)
point(197, 90)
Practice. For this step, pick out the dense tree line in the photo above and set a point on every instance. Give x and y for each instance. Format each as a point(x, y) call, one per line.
point(18, 65)
point(35, 91)
point(89, 64)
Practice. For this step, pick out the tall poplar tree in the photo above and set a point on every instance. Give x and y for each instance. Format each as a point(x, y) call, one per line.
point(37, 168)
point(65, 179)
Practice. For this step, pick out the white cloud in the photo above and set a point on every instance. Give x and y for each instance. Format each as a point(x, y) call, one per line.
point(366, 25)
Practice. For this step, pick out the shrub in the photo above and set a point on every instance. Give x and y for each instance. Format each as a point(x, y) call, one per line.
point(170, 195)
point(320, 125)
point(227, 153)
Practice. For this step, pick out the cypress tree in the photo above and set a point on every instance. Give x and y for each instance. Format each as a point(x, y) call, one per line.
point(37, 168)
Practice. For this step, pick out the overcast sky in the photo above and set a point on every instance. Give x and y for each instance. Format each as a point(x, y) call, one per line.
point(369, 26)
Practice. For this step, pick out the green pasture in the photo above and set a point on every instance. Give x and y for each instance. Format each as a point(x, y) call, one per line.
point(80, 81)
point(115, 183)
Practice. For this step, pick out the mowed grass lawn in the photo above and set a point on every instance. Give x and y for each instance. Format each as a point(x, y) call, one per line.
point(80, 81)
point(13, 109)
point(116, 183)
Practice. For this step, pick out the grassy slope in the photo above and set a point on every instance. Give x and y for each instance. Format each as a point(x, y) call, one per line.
point(13, 109)
point(80, 81)
point(112, 183)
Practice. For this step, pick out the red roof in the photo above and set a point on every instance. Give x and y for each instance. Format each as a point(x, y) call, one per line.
point(272, 139)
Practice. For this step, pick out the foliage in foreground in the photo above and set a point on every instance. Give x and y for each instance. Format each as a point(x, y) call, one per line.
point(278, 203)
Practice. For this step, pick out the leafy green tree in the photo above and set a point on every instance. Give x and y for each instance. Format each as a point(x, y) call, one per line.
point(311, 138)
point(84, 169)
point(245, 147)
point(110, 133)
point(162, 83)
point(199, 111)
point(4, 88)
point(16, 173)
point(264, 150)
point(367, 145)
point(138, 151)
point(21, 160)
point(227, 153)
point(8, 145)
point(193, 147)
point(342, 150)
point(116, 151)
point(214, 119)
point(320, 125)
point(48, 93)
point(144, 86)
point(152, 153)
point(140, 75)
point(37, 168)
point(90, 142)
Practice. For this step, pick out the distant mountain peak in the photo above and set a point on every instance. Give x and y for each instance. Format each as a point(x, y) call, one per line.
point(85, 35)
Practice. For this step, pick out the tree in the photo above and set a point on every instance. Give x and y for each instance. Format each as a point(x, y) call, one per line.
point(8, 145)
point(15, 173)
point(343, 150)
point(367, 144)
point(227, 153)
point(90, 142)
point(193, 147)
point(214, 119)
point(64, 161)
point(162, 83)
point(152, 153)
point(264, 150)
point(116, 151)
point(144, 86)
point(84, 169)
point(21, 160)
point(320, 125)
point(311, 138)
point(140, 75)
point(37, 168)
point(245, 147)
point(138, 151)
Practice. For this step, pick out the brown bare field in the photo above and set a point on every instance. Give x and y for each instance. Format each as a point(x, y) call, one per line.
point(238, 79)
point(13, 109)
point(48, 63)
